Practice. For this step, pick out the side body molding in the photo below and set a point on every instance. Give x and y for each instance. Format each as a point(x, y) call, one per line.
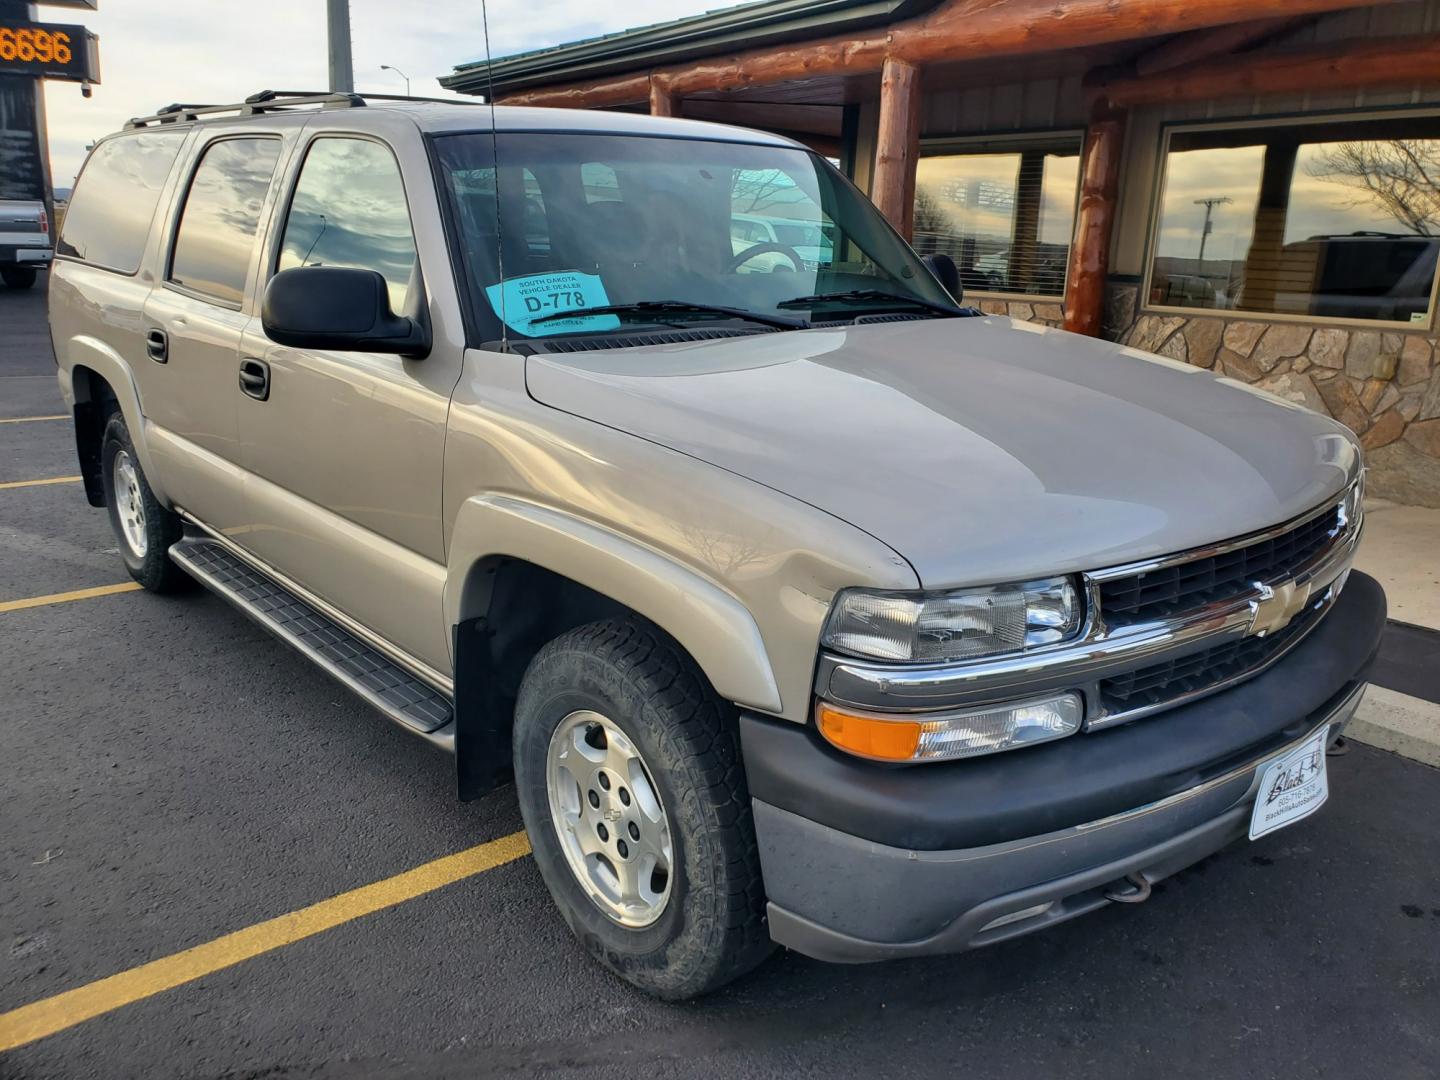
point(713, 626)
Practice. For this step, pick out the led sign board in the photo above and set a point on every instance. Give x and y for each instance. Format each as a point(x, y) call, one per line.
point(49, 51)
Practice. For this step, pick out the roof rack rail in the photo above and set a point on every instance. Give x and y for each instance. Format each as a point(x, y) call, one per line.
point(264, 101)
point(277, 101)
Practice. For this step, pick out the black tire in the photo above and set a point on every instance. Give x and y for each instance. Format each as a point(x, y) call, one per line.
point(18, 277)
point(712, 928)
point(152, 568)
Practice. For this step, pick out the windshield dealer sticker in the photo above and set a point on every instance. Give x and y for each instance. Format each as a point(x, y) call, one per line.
point(1291, 787)
point(520, 300)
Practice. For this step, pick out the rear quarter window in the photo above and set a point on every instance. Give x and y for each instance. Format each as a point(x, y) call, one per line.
point(114, 202)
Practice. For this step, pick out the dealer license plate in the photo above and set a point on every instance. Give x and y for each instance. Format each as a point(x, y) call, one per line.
point(1291, 787)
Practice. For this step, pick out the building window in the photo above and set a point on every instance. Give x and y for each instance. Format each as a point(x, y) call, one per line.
point(1004, 211)
point(1331, 219)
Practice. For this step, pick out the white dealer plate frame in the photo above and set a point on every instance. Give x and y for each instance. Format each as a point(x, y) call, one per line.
point(1292, 787)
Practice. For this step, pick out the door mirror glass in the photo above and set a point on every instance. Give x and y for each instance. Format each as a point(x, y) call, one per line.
point(333, 307)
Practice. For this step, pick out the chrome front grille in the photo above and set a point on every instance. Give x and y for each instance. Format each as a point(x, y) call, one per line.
point(1171, 590)
point(1171, 682)
point(1298, 566)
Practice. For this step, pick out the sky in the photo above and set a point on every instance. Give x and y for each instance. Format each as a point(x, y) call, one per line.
point(154, 52)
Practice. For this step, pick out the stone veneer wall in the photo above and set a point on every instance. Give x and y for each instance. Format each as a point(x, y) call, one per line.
point(1047, 314)
point(1384, 385)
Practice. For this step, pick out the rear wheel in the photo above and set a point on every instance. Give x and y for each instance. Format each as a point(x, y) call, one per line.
point(628, 770)
point(144, 529)
point(18, 277)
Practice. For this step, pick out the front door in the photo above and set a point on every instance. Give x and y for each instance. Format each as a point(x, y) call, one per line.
point(346, 451)
point(193, 325)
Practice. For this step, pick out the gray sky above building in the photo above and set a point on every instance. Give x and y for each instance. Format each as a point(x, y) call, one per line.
point(153, 53)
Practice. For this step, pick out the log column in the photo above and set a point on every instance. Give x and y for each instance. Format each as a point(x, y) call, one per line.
point(662, 101)
point(897, 145)
point(1090, 249)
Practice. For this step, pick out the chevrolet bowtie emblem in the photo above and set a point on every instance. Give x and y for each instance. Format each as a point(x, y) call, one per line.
point(1275, 606)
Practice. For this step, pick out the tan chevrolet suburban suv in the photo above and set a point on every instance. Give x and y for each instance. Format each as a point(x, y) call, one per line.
point(802, 604)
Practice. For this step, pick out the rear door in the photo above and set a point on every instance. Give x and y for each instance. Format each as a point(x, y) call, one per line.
point(346, 451)
point(194, 320)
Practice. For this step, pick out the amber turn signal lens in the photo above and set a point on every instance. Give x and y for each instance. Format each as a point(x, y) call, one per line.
point(884, 740)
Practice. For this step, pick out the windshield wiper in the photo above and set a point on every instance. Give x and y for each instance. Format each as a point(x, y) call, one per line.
point(646, 308)
point(871, 296)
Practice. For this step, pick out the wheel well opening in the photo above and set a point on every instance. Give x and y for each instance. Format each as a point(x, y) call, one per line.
point(510, 609)
point(95, 401)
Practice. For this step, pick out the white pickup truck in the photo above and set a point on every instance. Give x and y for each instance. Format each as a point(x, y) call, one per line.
point(25, 245)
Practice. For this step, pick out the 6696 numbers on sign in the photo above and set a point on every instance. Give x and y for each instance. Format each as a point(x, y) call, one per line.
point(28, 44)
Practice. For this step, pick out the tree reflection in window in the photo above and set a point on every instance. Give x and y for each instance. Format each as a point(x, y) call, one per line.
point(349, 210)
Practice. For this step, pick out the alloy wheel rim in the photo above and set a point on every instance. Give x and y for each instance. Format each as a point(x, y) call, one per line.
point(129, 504)
point(609, 819)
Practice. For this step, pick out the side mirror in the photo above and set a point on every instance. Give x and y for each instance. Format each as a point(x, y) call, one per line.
point(333, 307)
point(947, 273)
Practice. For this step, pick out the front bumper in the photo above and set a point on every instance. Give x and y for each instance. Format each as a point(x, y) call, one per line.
point(865, 862)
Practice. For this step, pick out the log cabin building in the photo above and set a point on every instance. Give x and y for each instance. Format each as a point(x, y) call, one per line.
point(1248, 187)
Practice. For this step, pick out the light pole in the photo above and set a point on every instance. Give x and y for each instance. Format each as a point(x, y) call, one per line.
point(1209, 204)
point(397, 71)
point(342, 71)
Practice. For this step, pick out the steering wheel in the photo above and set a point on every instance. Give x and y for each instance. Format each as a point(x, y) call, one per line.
point(766, 249)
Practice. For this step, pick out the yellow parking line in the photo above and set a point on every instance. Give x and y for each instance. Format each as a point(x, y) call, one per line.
point(49, 1015)
point(66, 597)
point(32, 419)
point(40, 483)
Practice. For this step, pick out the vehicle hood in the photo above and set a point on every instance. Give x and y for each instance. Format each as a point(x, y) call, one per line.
point(980, 449)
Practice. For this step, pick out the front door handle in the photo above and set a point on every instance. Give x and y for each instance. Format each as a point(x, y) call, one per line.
point(255, 378)
point(157, 345)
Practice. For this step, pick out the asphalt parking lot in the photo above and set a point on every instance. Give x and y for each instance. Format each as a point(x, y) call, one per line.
point(170, 775)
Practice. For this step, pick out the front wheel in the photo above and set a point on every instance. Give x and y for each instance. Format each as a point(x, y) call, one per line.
point(628, 771)
point(143, 528)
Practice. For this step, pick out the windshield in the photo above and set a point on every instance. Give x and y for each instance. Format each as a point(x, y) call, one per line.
point(583, 221)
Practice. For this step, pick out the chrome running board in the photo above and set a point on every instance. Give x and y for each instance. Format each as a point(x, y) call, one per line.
point(415, 705)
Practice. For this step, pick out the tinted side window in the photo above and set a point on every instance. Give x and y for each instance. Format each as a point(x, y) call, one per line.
point(114, 201)
point(216, 238)
point(349, 210)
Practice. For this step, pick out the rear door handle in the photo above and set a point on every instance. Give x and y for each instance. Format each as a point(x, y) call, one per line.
point(255, 378)
point(157, 345)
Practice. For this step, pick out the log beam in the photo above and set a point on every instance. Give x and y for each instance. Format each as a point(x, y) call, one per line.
point(662, 101)
point(1347, 65)
point(897, 144)
point(1094, 223)
point(1200, 45)
point(956, 31)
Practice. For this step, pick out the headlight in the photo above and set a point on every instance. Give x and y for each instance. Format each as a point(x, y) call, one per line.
point(961, 625)
point(945, 736)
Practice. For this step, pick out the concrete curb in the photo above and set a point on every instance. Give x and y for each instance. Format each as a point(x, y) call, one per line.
point(1405, 725)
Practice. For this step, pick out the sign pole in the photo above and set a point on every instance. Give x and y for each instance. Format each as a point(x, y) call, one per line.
point(342, 68)
point(28, 167)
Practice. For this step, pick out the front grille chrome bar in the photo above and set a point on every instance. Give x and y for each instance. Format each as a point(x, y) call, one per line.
point(1101, 650)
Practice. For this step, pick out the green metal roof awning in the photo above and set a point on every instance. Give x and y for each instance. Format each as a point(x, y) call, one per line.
point(642, 48)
